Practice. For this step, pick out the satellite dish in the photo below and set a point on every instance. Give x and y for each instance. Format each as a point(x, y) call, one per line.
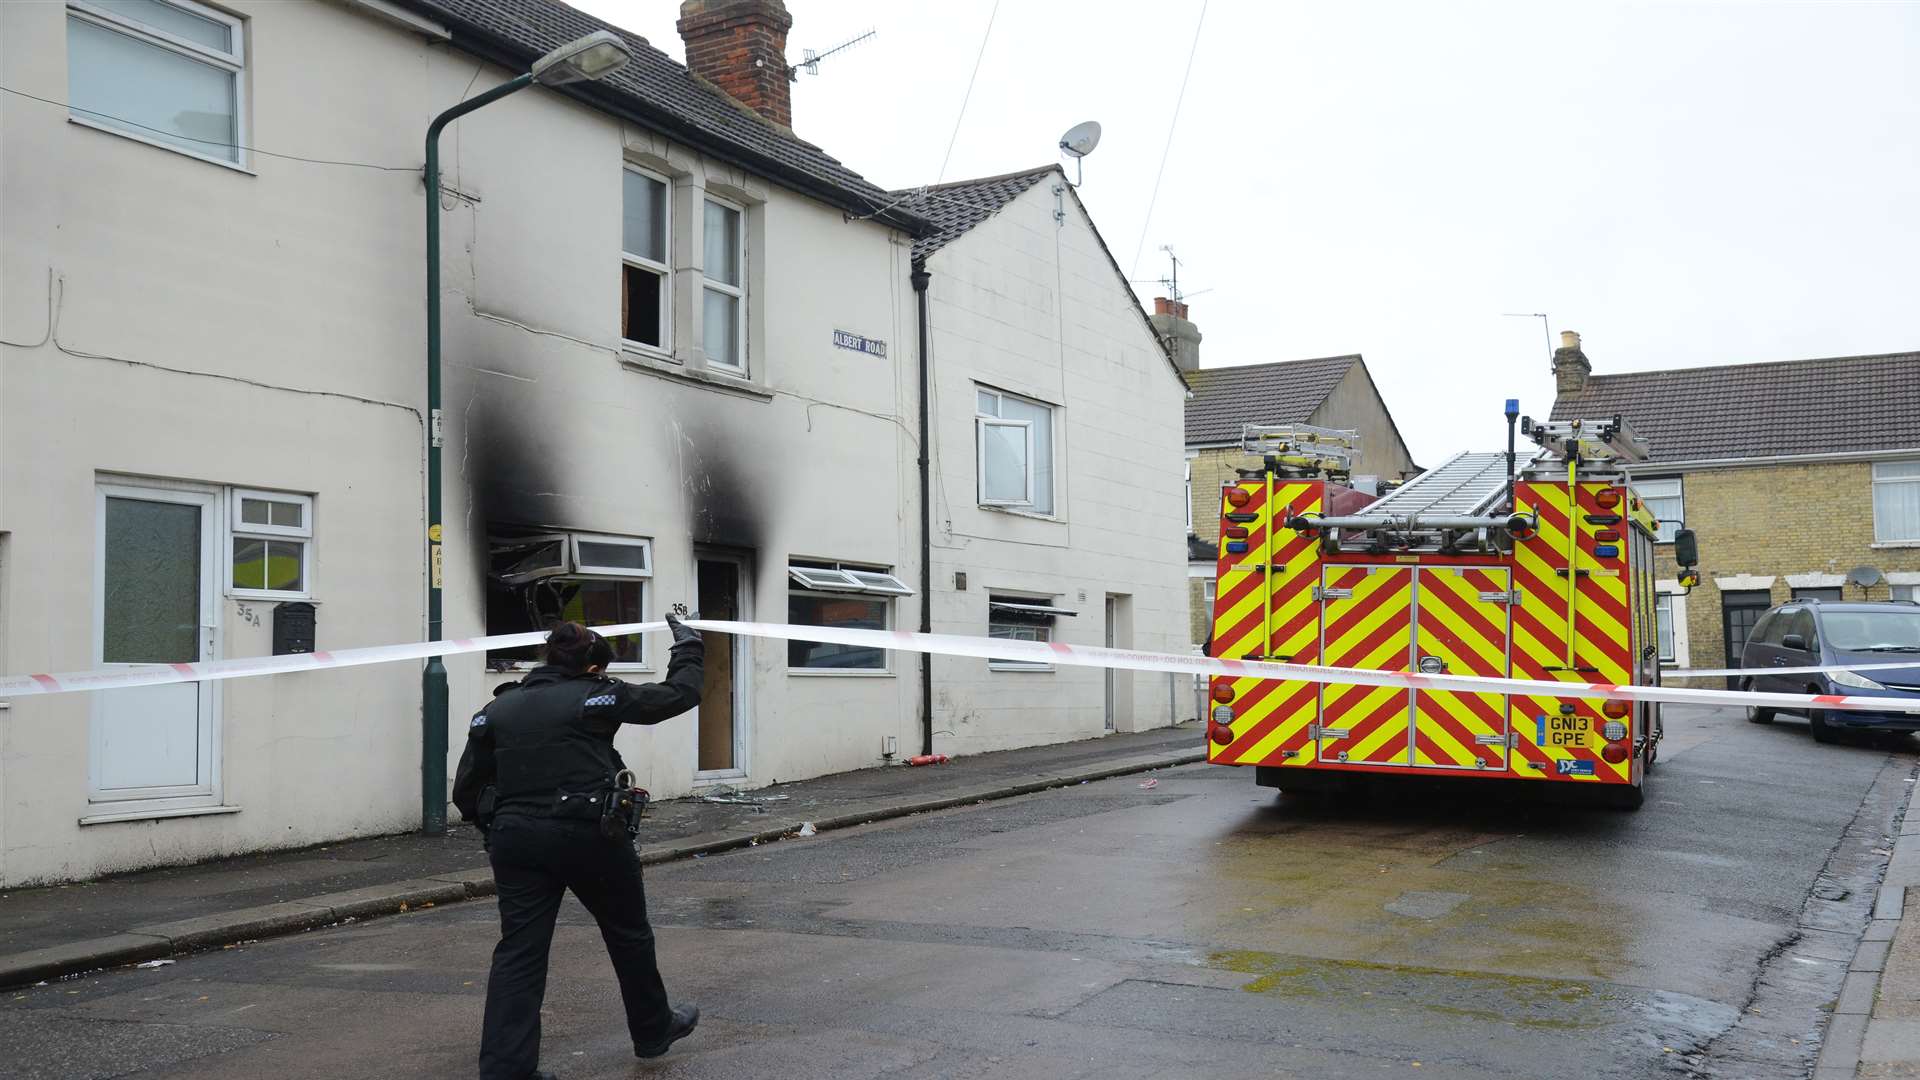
point(1864, 576)
point(1080, 139)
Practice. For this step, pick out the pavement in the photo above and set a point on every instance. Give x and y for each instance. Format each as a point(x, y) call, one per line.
point(51, 932)
point(1875, 1031)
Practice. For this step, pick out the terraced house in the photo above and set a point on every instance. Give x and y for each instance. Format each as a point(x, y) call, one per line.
point(1330, 392)
point(1801, 478)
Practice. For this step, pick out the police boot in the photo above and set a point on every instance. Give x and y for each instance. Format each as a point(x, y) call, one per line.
point(685, 1018)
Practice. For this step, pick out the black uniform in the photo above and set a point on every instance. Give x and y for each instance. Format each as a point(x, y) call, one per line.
point(545, 747)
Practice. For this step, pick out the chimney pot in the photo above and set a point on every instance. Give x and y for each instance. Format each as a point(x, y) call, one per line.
point(1181, 336)
point(741, 47)
point(1569, 339)
point(1570, 366)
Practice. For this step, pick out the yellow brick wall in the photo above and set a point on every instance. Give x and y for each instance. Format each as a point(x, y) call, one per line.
point(1772, 521)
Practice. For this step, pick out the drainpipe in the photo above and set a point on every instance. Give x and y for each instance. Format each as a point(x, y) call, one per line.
point(921, 279)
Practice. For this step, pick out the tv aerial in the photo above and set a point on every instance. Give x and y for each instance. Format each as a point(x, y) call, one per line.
point(810, 59)
point(1078, 142)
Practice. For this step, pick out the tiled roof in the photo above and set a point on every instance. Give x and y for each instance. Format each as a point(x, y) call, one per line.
point(660, 92)
point(1846, 404)
point(1225, 399)
point(1199, 550)
point(954, 208)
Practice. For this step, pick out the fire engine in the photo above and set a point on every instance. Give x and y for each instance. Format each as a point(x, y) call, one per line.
point(1487, 565)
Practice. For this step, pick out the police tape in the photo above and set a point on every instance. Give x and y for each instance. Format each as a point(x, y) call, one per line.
point(1045, 652)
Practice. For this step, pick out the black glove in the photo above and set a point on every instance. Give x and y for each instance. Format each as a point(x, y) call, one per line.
point(682, 634)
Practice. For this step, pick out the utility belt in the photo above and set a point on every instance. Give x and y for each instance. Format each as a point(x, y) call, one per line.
point(615, 809)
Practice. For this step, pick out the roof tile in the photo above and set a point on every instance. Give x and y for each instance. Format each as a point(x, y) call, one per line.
point(1844, 404)
point(954, 208)
point(1225, 399)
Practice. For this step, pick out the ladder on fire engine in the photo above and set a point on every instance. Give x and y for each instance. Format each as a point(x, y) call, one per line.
point(1465, 484)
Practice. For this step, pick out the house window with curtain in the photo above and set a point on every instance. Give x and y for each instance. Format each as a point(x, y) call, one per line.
point(646, 282)
point(724, 290)
point(1015, 445)
point(1663, 499)
point(166, 72)
point(1896, 502)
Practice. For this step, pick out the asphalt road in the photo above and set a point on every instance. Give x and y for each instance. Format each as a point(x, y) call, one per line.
point(1200, 927)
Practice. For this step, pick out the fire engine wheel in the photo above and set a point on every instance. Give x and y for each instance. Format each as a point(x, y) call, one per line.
point(1756, 714)
point(1624, 796)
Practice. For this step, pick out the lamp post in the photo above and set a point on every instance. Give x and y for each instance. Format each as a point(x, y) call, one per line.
point(592, 57)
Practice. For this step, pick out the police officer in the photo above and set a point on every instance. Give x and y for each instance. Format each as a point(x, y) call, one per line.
point(536, 775)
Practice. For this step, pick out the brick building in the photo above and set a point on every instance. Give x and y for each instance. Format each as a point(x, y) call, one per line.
point(1331, 392)
point(1801, 478)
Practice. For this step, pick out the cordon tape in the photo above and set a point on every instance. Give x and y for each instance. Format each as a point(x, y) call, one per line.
point(1053, 652)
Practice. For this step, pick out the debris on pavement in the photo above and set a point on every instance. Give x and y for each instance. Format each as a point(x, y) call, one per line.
point(735, 797)
point(806, 829)
point(154, 964)
point(1149, 783)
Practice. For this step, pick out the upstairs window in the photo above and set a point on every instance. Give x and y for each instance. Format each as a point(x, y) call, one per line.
point(724, 291)
point(844, 596)
point(1015, 436)
point(1896, 502)
point(272, 542)
point(645, 279)
point(1663, 502)
point(167, 72)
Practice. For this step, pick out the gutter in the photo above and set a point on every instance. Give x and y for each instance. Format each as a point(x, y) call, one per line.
point(921, 279)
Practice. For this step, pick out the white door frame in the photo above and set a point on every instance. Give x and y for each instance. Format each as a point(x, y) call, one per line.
point(211, 501)
point(742, 667)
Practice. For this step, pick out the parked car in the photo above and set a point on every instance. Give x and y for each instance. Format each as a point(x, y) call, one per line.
point(1806, 633)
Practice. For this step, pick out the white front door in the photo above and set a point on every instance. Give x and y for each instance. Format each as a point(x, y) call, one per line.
point(155, 566)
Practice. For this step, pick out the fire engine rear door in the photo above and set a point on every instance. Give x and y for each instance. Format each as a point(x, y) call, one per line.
point(1461, 628)
point(1366, 621)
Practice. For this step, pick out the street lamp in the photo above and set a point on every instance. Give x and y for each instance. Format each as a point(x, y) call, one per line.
point(592, 57)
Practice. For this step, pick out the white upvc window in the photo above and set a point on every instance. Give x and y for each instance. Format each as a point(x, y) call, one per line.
point(1896, 502)
point(1907, 592)
point(1209, 592)
point(1670, 625)
point(1012, 617)
point(271, 545)
point(1014, 437)
point(1663, 499)
point(646, 281)
point(166, 72)
point(1189, 495)
point(537, 579)
point(724, 288)
point(842, 596)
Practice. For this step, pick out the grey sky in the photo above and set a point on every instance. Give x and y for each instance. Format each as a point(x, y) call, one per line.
point(1684, 184)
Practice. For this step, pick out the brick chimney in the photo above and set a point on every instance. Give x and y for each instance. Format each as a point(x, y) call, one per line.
point(741, 47)
point(1182, 337)
point(1570, 366)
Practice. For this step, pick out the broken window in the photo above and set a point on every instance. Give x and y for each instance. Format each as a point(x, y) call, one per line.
point(1021, 618)
point(537, 579)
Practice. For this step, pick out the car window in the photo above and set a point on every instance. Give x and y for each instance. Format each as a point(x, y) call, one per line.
point(1798, 621)
point(1766, 631)
point(1873, 631)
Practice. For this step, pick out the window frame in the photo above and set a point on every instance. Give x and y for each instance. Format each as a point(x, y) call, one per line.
point(582, 569)
point(1663, 528)
point(743, 369)
point(664, 269)
point(237, 530)
point(1676, 599)
point(233, 62)
point(996, 598)
point(981, 424)
point(1876, 480)
point(1912, 594)
point(884, 594)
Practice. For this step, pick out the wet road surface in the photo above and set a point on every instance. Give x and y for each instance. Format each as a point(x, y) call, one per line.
point(1199, 927)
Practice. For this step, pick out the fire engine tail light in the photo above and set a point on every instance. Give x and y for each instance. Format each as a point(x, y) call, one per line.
point(1614, 731)
point(1607, 498)
point(1237, 532)
point(1615, 709)
point(1238, 497)
point(1615, 752)
point(1223, 693)
point(1607, 536)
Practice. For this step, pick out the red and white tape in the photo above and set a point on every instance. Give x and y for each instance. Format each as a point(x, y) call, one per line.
point(950, 645)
